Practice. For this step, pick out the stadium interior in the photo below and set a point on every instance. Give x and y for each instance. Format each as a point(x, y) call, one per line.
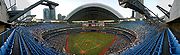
point(92, 29)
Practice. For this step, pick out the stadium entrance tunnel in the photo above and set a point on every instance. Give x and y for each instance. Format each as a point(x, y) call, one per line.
point(93, 12)
point(61, 40)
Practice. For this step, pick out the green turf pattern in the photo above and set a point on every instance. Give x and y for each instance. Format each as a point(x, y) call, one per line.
point(89, 43)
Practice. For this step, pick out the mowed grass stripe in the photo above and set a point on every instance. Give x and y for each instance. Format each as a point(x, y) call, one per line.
point(89, 43)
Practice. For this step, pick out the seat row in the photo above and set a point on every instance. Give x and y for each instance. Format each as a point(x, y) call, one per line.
point(6, 48)
point(35, 47)
point(173, 43)
point(148, 46)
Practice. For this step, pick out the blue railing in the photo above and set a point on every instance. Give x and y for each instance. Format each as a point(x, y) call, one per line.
point(173, 43)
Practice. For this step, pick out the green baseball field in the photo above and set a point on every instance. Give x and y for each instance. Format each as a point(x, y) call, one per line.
point(89, 43)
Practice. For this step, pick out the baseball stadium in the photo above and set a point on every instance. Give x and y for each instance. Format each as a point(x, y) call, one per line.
point(90, 29)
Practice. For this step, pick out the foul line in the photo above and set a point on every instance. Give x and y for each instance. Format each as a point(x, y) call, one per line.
point(109, 45)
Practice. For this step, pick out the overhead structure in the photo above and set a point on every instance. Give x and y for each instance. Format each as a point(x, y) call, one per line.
point(93, 11)
point(14, 15)
point(139, 7)
point(175, 12)
point(167, 13)
point(3, 12)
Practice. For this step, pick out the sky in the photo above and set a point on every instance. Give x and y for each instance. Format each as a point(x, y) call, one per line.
point(151, 4)
point(66, 6)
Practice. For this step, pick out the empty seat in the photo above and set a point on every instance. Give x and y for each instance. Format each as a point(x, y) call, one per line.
point(175, 50)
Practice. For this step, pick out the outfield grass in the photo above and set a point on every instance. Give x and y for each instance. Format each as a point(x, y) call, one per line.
point(89, 43)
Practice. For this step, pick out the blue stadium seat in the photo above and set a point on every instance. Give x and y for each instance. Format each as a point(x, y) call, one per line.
point(175, 50)
point(6, 49)
point(173, 43)
point(146, 47)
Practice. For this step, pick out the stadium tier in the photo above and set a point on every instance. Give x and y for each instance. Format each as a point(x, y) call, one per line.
point(125, 38)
